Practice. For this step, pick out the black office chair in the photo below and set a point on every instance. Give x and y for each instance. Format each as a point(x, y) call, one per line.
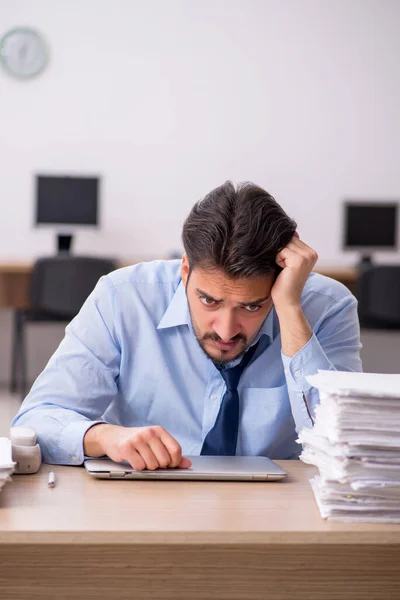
point(59, 286)
point(379, 297)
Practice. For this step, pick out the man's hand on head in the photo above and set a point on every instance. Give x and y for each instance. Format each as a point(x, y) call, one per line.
point(143, 447)
point(297, 261)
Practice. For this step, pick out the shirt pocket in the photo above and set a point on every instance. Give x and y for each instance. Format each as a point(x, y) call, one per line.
point(267, 424)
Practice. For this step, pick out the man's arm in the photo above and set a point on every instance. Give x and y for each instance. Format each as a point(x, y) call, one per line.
point(73, 392)
point(78, 383)
point(335, 343)
point(297, 261)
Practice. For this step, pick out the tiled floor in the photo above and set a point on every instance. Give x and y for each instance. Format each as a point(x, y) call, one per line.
point(9, 405)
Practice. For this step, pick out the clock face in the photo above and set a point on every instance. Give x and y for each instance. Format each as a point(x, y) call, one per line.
point(23, 52)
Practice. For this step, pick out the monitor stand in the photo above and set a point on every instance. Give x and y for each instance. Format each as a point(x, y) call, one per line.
point(365, 262)
point(64, 243)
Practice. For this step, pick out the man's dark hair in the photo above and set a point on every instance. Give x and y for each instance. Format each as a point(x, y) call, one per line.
point(237, 230)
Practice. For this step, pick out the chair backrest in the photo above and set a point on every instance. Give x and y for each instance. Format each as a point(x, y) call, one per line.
point(379, 297)
point(61, 284)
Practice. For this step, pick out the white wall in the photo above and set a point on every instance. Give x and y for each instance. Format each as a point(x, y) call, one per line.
point(168, 98)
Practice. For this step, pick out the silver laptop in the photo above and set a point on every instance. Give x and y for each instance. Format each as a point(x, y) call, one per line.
point(230, 468)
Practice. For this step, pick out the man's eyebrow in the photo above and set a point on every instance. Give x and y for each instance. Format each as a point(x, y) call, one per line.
point(207, 295)
point(258, 301)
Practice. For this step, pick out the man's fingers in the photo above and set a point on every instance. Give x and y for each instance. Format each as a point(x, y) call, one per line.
point(152, 448)
point(185, 463)
point(161, 453)
point(299, 245)
point(172, 446)
point(134, 459)
point(296, 248)
point(286, 253)
point(280, 263)
point(148, 456)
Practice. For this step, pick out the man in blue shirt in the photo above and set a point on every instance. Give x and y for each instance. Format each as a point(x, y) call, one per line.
point(142, 373)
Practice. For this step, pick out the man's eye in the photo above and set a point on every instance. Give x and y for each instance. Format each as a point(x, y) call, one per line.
point(207, 301)
point(252, 307)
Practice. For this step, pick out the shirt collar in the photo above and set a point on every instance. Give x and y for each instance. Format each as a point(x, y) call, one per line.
point(178, 313)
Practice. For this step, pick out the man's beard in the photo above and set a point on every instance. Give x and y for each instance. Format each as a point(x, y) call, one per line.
point(212, 335)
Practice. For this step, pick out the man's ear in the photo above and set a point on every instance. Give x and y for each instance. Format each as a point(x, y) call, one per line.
point(185, 269)
point(296, 234)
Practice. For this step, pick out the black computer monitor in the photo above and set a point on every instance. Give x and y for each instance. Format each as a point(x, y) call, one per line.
point(66, 202)
point(370, 226)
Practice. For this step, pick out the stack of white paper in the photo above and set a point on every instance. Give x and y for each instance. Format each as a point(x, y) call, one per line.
point(6, 462)
point(355, 443)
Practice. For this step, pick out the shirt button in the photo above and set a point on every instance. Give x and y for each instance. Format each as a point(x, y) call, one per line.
point(286, 372)
point(74, 458)
point(298, 373)
point(213, 397)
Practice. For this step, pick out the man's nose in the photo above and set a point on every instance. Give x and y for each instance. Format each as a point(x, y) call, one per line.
point(227, 327)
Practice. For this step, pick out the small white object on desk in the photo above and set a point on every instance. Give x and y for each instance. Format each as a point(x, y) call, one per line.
point(52, 479)
point(25, 450)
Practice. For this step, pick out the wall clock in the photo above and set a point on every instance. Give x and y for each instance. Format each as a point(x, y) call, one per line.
point(23, 52)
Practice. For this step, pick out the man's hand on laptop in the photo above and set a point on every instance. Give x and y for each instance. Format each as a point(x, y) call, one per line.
point(143, 447)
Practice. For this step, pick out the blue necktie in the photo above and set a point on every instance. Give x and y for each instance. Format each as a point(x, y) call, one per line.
point(221, 440)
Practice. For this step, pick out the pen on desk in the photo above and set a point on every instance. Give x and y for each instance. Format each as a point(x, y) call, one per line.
point(52, 479)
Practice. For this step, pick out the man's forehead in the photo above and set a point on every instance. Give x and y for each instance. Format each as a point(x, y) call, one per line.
point(218, 285)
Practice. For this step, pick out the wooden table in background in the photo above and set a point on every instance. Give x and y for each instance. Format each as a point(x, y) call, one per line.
point(98, 539)
point(14, 285)
point(14, 282)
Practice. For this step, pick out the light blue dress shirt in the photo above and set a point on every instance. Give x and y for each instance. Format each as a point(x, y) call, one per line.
point(131, 358)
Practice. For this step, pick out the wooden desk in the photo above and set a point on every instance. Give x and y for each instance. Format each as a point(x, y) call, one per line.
point(14, 281)
point(14, 285)
point(97, 539)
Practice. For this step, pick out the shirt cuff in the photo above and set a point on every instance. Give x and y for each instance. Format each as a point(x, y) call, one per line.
point(71, 441)
point(307, 361)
